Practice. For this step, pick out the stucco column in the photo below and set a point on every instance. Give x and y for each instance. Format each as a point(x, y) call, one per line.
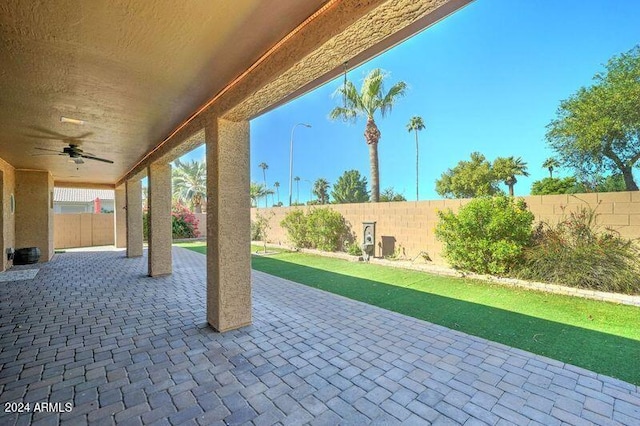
point(160, 237)
point(120, 217)
point(228, 225)
point(134, 218)
point(34, 211)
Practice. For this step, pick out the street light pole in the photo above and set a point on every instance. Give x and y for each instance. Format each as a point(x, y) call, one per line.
point(291, 159)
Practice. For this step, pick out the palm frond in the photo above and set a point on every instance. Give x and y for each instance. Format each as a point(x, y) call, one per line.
point(341, 112)
point(397, 91)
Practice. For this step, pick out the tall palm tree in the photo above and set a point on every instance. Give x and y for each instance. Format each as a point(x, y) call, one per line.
point(551, 163)
point(297, 179)
point(415, 125)
point(276, 185)
point(371, 98)
point(190, 183)
point(264, 166)
point(321, 190)
point(507, 168)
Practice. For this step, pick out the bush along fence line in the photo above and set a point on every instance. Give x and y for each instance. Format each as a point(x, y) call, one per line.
point(590, 235)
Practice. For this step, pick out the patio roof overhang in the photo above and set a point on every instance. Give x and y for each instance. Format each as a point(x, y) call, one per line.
point(141, 83)
point(143, 75)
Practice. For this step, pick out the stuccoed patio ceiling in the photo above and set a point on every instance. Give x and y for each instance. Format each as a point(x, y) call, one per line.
point(134, 70)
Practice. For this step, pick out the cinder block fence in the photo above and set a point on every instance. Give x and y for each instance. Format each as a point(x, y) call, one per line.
point(409, 226)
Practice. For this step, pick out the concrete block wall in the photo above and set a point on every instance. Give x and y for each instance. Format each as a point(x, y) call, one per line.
point(409, 226)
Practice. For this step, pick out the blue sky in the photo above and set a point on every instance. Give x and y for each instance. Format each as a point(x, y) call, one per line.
point(488, 78)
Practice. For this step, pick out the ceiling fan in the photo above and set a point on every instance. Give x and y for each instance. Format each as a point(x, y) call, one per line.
point(73, 150)
point(76, 154)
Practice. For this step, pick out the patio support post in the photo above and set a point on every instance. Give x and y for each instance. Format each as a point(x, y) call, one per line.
point(160, 234)
point(34, 211)
point(134, 218)
point(120, 217)
point(228, 224)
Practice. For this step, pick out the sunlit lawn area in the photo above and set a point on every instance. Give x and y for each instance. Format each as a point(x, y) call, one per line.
point(603, 337)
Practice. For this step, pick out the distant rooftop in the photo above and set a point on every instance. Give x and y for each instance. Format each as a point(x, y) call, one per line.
point(80, 195)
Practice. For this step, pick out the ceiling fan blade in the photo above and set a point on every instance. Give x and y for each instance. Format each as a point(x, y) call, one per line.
point(48, 132)
point(55, 135)
point(44, 155)
point(47, 149)
point(53, 138)
point(89, 157)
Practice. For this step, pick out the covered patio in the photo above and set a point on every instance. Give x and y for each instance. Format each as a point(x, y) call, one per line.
point(102, 95)
point(94, 330)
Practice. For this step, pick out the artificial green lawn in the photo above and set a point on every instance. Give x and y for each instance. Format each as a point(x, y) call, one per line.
point(602, 337)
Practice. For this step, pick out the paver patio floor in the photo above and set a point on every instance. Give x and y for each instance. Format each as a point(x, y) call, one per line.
point(93, 330)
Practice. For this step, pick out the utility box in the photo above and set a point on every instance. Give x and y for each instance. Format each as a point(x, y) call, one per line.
point(368, 239)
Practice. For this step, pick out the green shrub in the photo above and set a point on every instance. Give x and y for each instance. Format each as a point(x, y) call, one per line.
point(353, 248)
point(256, 232)
point(321, 228)
point(262, 225)
point(326, 229)
point(145, 225)
point(488, 235)
point(183, 222)
point(295, 223)
point(575, 252)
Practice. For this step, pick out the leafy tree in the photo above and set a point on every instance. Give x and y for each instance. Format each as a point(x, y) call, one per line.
point(599, 183)
point(612, 183)
point(598, 128)
point(551, 164)
point(549, 185)
point(371, 98)
point(415, 125)
point(389, 194)
point(350, 188)
point(468, 179)
point(321, 190)
point(190, 183)
point(507, 168)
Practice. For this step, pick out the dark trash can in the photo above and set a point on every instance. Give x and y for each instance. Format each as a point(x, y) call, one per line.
point(26, 256)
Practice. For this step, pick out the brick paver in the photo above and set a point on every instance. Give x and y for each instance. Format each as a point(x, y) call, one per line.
point(91, 329)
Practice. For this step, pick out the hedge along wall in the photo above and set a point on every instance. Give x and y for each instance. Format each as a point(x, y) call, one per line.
point(410, 225)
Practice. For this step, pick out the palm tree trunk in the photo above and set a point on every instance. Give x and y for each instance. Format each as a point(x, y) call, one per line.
point(417, 196)
point(511, 190)
point(372, 136)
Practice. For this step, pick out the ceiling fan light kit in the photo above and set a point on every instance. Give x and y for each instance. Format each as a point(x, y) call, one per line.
point(71, 121)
